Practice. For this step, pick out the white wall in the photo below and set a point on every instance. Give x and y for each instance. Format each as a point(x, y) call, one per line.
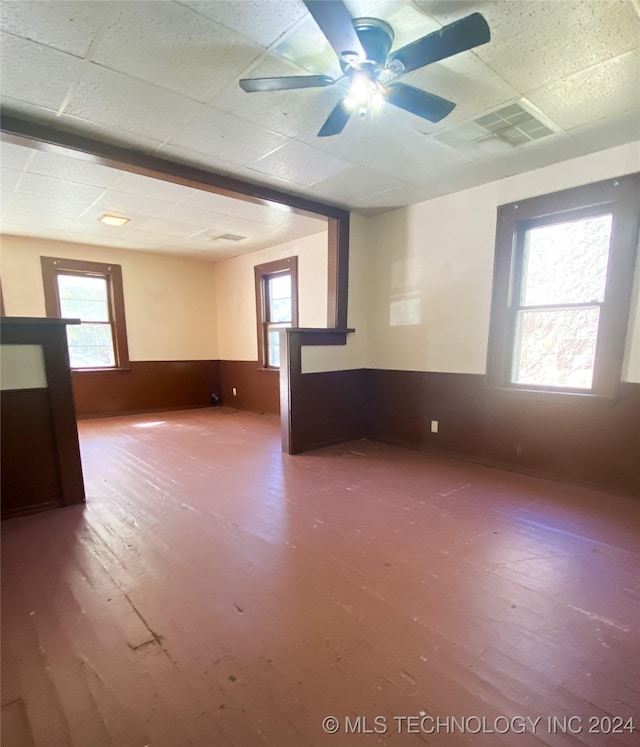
point(236, 297)
point(169, 302)
point(431, 269)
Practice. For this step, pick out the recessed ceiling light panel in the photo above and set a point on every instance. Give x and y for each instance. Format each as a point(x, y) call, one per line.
point(113, 220)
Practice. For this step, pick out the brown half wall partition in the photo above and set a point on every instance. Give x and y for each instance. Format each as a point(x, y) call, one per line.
point(318, 409)
point(146, 386)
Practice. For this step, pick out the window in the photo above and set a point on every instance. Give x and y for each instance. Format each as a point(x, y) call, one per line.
point(276, 305)
point(91, 292)
point(563, 275)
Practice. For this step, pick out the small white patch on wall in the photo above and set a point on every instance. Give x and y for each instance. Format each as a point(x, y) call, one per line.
point(22, 367)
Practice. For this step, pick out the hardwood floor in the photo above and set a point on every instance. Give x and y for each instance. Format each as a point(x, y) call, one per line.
point(214, 592)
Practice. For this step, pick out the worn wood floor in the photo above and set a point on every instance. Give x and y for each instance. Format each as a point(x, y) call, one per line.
point(214, 592)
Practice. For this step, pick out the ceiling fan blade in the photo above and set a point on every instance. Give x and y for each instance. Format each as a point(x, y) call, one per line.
point(457, 37)
point(336, 24)
point(423, 104)
point(285, 83)
point(336, 121)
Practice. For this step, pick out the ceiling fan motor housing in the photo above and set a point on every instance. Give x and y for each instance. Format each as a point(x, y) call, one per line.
point(376, 37)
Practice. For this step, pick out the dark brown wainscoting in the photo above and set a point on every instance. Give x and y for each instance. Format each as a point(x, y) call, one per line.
point(27, 438)
point(581, 439)
point(331, 407)
point(145, 387)
point(257, 389)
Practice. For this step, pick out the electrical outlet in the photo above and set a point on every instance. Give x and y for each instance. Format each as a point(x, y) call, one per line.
point(234, 391)
point(434, 426)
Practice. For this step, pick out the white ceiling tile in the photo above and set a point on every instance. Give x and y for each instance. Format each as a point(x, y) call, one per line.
point(9, 179)
point(208, 220)
point(358, 141)
point(5, 197)
point(126, 205)
point(22, 72)
point(37, 207)
point(394, 198)
point(287, 112)
point(112, 99)
point(354, 184)
point(606, 133)
point(306, 46)
point(158, 226)
point(534, 43)
point(172, 46)
point(71, 169)
point(14, 156)
point(464, 177)
point(535, 154)
point(256, 212)
point(199, 219)
point(157, 188)
point(89, 226)
point(197, 160)
point(301, 164)
point(58, 189)
point(67, 26)
point(413, 157)
point(254, 19)
point(221, 135)
point(607, 90)
point(107, 134)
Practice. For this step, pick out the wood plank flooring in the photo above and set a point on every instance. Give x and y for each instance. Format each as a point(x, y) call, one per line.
point(216, 592)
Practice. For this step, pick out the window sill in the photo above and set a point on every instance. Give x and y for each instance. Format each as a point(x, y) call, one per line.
point(527, 393)
point(110, 369)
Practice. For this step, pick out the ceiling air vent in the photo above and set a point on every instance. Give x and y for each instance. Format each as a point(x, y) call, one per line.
point(229, 237)
point(514, 124)
point(495, 132)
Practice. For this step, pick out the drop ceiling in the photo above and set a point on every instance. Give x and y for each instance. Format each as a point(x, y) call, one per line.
point(162, 78)
point(57, 196)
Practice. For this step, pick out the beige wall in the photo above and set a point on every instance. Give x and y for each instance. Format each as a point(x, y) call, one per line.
point(431, 269)
point(169, 302)
point(236, 298)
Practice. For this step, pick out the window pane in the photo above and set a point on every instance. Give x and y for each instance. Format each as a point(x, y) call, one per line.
point(273, 344)
point(83, 297)
point(556, 348)
point(567, 262)
point(280, 298)
point(280, 286)
point(90, 346)
point(274, 348)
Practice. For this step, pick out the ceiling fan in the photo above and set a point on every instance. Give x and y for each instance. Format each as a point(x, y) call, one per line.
point(363, 46)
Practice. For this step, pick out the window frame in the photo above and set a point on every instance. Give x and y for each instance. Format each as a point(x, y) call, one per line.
point(263, 273)
point(112, 273)
point(618, 197)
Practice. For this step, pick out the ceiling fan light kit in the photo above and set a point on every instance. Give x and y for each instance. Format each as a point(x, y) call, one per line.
point(371, 73)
